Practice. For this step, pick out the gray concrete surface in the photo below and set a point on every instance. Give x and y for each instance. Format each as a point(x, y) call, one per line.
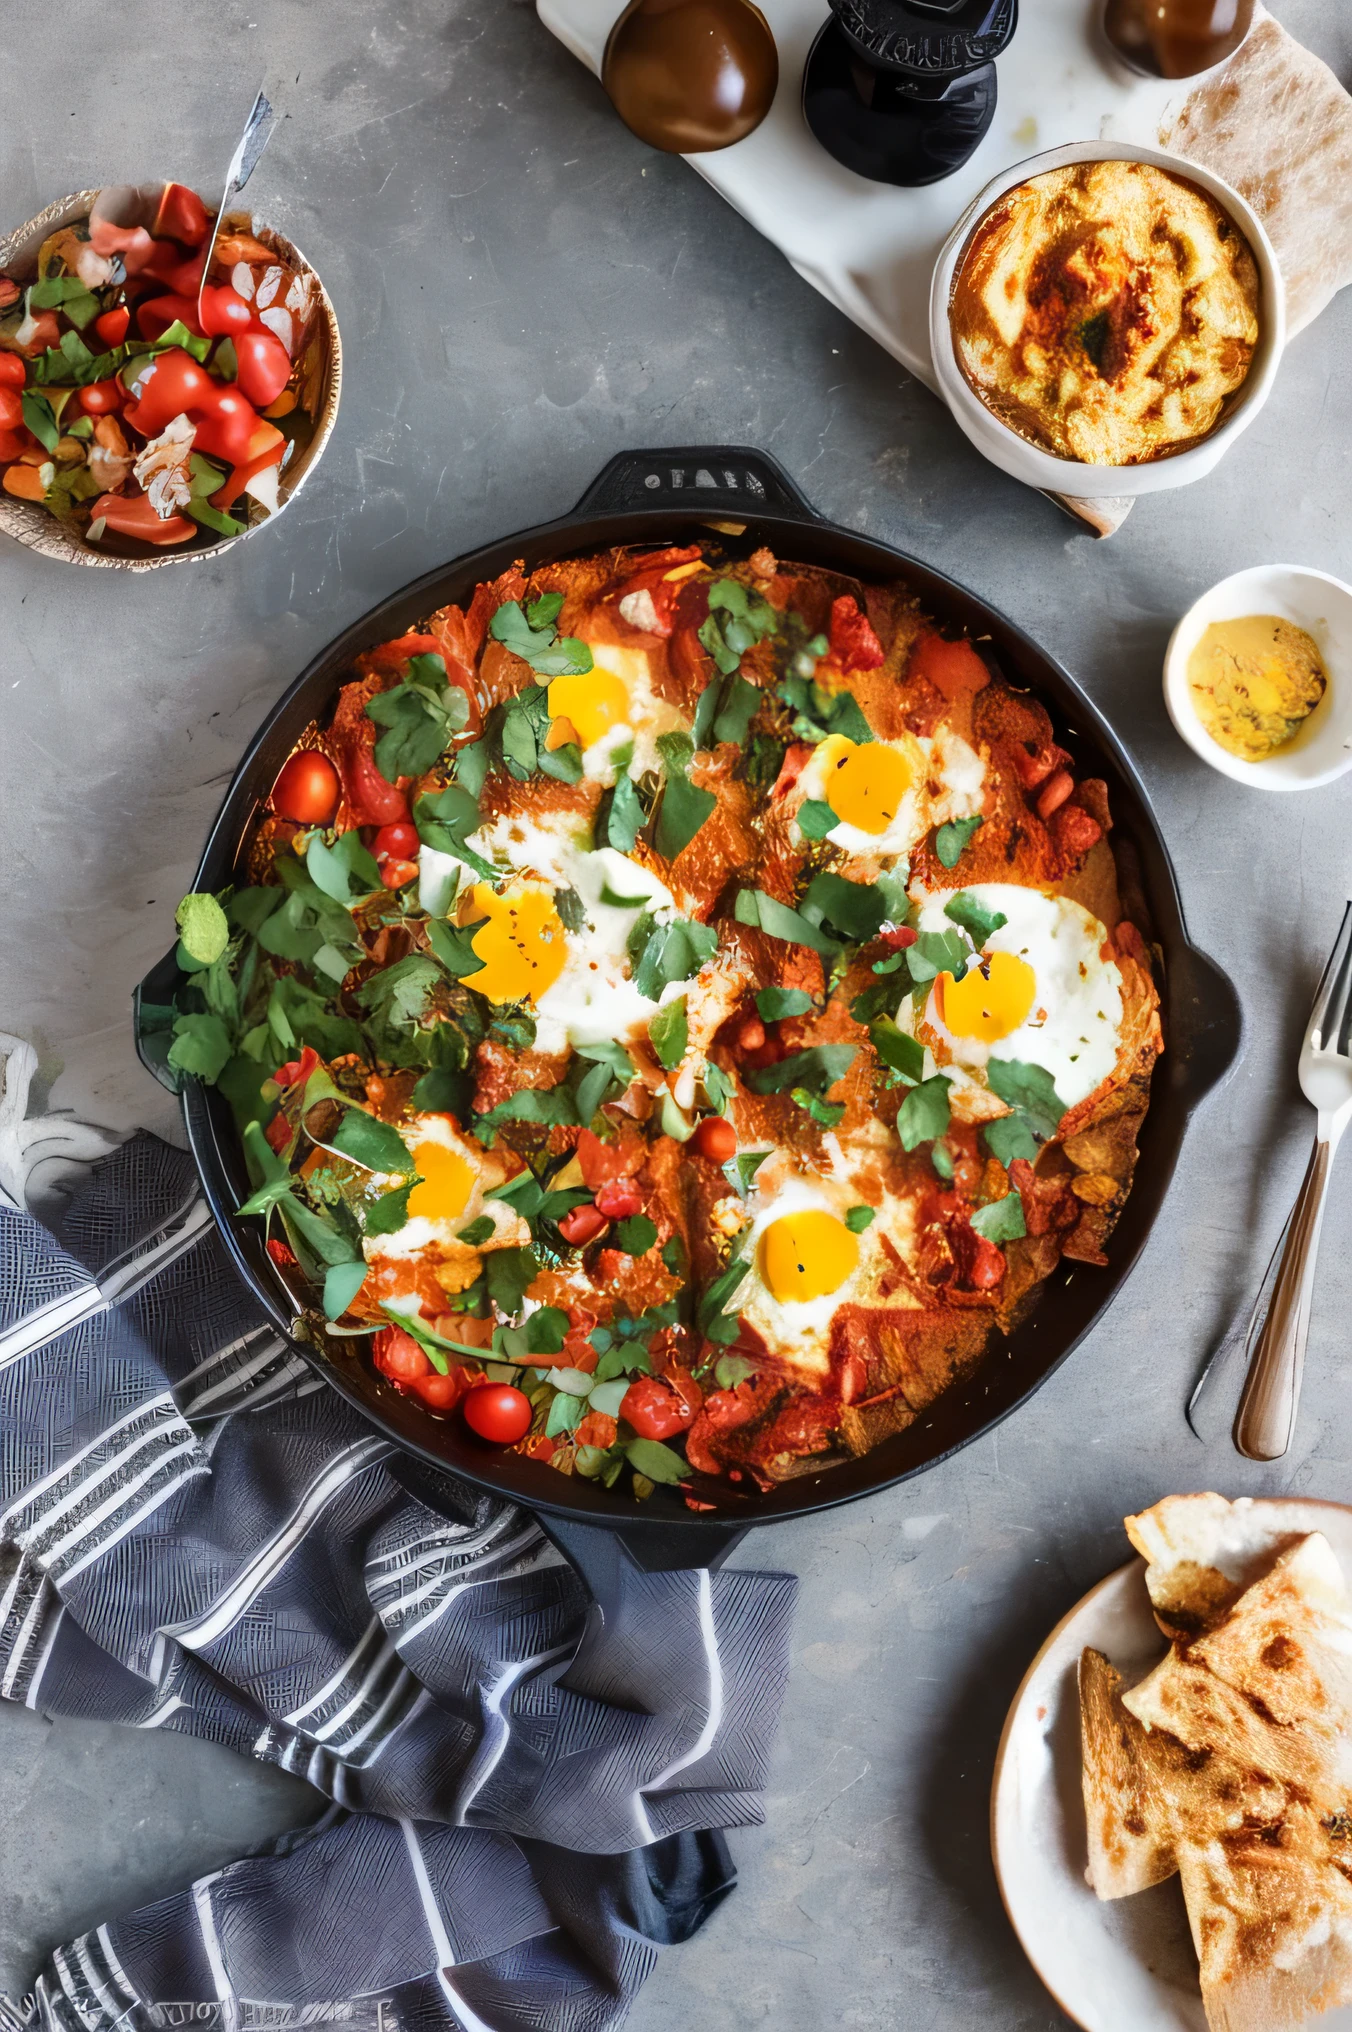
point(524, 289)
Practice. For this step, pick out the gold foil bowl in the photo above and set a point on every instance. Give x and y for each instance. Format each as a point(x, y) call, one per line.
point(30, 523)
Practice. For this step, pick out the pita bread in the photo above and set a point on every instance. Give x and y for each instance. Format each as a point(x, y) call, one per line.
point(1231, 1761)
point(1276, 123)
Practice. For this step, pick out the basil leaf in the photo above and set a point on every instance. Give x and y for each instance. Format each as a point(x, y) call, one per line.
point(67, 293)
point(974, 916)
point(904, 1054)
point(713, 1322)
point(683, 810)
point(372, 1143)
point(941, 1161)
point(472, 764)
point(669, 1033)
point(636, 1235)
point(563, 764)
point(591, 1090)
point(625, 817)
point(937, 952)
point(711, 636)
point(251, 908)
point(201, 1045)
point(672, 952)
point(446, 819)
point(754, 907)
point(857, 1218)
point(1009, 1138)
point(659, 1463)
point(924, 1114)
point(345, 871)
point(321, 1234)
point(539, 645)
point(341, 1284)
point(816, 820)
point(546, 1331)
point(952, 840)
point(441, 1092)
point(545, 611)
point(630, 1358)
point(400, 992)
point(718, 1088)
point(816, 1070)
point(390, 1212)
point(548, 1107)
point(38, 415)
point(1002, 1220)
point(606, 1052)
point(1029, 1087)
point(818, 712)
point(854, 909)
point(566, 1413)
point(453, 945)
point(726, 709)
point(775, 1003)
point(828, 1113)
point(420, 716)
point(507, 1272)
point(202, 928)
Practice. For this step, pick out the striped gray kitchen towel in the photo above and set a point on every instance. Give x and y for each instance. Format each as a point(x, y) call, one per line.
point(197, 1534)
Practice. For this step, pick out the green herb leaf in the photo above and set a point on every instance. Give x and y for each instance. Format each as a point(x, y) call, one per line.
point(683, 810)
point(607, 1052)
point(540, 646)
point(342, 1282)
point(730, 1370)
point(445, 820)
point(546, 1331)
point(38, 415)
point(937, 952)
point(66, 293)
point(828, 1113)
point(816, 1070)
point(1029, 1087)
point(773, 1004)
point(857, 1218)
point(819, 712)
point(629, 1358)
point(659, 1463)
point(421, 716)
point(390, 1212)
point(905, 1055)
point(566, 1413)
point(672, 952)
point(952, 840)
point(442, 1091)
point(636, 1235)
point(855, 910)
point(924, 1113)
point(345, 871)
point(625, 817)
point(548, 1107)
point(942, 1162)
point(507, 1272)
point(1001, 1220)
point(373, 1144)
point(974, 916)
point(1009, 1138)
point(477, 1232)
point(202, 927)
point(669, 1033)
point(741, 1169)
point(545, 611)
point(754, 907)
point(453, 945)
point(201, 1045)
point(816, 820)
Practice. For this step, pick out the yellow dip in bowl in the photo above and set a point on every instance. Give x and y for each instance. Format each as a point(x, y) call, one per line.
point(1254, 682)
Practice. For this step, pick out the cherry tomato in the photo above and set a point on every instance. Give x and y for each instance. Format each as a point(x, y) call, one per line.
point(373, 800)
point(264, 365)
point(222, 309)
point(307, 789)
point(396, 842)
point(11, 408)
point(655, 1410)
point(13, 373)
point(582, 1225)
point(12, 442)
point(134, 515)
point(498, 1412)
point(618, 1200)
point(397, 1355)
point(112, 326)
point(101, 398)
point(157, 313)
point(168, 266)
point(602, 1163)
point(715, 1139)
point(394, 874)
point(182, 215)
point(443, 1393)
point(170, 385)
point(226, 423)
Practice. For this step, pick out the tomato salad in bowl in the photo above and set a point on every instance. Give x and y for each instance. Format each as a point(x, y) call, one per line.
point(152, 407)
point(678, 1013)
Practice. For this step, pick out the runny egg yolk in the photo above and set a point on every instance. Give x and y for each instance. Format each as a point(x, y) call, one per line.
point(593, 703)
point(987, 1009)
point(807, 1255)
point(865, 782)
point(447, 1182)
point(522, 946)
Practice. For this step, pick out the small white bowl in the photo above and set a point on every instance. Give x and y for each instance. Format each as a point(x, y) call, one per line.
point(1319, 604)
point(1028, 462)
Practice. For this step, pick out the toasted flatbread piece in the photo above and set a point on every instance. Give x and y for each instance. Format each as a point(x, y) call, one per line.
point(1129, 1819)
point(1201, 1554)
point(1273, 1932)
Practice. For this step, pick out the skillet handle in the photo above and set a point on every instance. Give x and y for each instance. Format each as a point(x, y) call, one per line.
point(606, 1557)
point(1207, 1024)
point(732, 480)
point(152, 1016)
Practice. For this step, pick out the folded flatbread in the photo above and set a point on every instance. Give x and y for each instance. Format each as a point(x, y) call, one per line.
point(1231, 1761)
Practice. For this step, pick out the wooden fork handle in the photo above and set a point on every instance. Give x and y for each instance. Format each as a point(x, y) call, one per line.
point(1266, 1417)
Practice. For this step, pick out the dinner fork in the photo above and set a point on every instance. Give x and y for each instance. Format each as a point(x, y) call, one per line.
point(1267, 1410)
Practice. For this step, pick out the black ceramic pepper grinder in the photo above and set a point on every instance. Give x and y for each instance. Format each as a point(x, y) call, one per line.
point(903, 90)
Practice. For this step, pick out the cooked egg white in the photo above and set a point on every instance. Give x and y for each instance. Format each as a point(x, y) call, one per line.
point(1047, 997)
point(614, 713)
point(888, 794)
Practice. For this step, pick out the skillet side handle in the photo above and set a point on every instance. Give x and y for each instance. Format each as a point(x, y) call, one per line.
point(1207, 1023)
point(733, 481)
point(604, 1557)
point(152, 1015)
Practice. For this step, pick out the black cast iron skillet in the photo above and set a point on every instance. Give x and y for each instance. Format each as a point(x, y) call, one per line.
point(666, 497)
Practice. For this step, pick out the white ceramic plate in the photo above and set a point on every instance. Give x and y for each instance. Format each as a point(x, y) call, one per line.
point(1127, 1965)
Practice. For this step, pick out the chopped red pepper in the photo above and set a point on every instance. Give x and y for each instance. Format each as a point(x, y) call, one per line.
point(854, 644)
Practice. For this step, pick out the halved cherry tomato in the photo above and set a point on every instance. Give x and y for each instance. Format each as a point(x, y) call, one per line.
point(396, 842)
point(307, 789)
point(618, 1200)
point(11, 408)
point(498, 1412)
point(373, 800)
point(715, 1139)
point(13, 373)
point(655, 1410)
point(264, 364)
point(582, 1225)
point(182, 215)
point(157, 313)
point(101, 398)
point(222, 309)
point(134, 515)
point(112, 326)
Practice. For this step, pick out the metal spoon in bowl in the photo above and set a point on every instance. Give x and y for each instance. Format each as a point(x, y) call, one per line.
point(252, 142)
